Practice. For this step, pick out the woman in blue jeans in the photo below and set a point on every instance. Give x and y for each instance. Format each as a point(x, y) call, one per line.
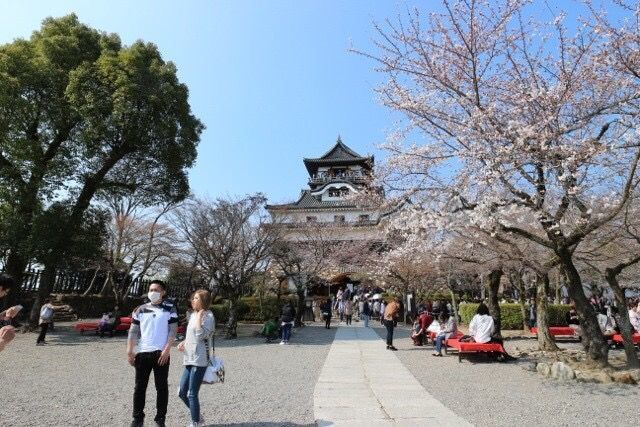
point(196, 357)
point(448, 327)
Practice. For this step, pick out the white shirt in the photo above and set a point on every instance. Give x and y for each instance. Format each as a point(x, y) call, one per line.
point(606, 323)
point(634, 317)
point(481, 328)
point(154, 323)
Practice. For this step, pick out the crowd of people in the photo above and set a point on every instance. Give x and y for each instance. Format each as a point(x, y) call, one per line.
point(154, 324)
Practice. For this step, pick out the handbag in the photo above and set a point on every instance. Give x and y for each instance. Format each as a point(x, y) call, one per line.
point(215, 366)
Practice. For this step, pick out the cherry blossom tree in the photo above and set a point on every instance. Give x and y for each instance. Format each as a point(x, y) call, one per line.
point(231, 241)
point(529, 128)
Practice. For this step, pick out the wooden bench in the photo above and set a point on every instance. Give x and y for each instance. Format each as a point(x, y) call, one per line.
point(473, 347)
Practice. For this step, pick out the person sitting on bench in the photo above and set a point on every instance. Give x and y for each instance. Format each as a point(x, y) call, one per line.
point(447, 329)
point(270, 329)
point(419, 335)
point(607, 323)
point(481, 327)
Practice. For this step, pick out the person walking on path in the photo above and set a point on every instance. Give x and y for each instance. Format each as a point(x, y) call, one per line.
point(153, 328)
point(348, 311)
point(390, 318)
point(287, 316)
point(383, 307)
point(376, 309)
point(46, 318)
point(325, 309)
point(200, 328)
point(366, 313)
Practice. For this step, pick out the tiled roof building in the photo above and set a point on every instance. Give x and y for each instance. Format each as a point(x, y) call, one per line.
point(337, 182)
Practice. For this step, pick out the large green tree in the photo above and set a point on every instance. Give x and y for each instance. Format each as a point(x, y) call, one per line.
point(83, 116)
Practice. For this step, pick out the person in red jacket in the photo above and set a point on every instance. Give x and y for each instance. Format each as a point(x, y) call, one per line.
point(419, 336)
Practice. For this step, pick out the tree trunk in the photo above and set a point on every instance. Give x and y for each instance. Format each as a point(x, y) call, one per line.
point(516, 281)
point(301, 306)
point(625, 323)
point(545, 339)
point(493, 286)
point(454, 305)
point(93, 281)
point(15, 268)
point(261, 302)
point(593, 341)
point(559, 282)
point(47, 280)
point(107, 286)
point(232, 323)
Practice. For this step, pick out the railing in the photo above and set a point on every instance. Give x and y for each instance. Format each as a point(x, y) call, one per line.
point(311, 224)
point(328, 178)
point(78, 282)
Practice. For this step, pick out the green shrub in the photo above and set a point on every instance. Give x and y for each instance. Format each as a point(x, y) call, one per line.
point(511, 316)
point(466, 312)
point(249, 309)
point(221, 313)
point(558, 314)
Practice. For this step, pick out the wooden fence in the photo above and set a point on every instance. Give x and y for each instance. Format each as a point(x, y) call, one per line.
point(70, 282)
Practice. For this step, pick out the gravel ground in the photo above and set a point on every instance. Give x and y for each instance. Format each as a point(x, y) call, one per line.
point(85, 381)
point(504, 394)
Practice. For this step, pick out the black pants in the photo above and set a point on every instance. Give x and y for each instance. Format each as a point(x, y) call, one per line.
point(389, 325)
point(44, 327)
point(349, 316)
point(145, 363)
point(327, 322)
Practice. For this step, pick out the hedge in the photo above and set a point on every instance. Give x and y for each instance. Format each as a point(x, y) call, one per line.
point(249, 309)
point(511, 316)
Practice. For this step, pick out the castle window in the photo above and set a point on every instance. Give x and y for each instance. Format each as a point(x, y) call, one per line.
point(312, 219)
point(363, 218)
point(338, 192)
point(338, 218)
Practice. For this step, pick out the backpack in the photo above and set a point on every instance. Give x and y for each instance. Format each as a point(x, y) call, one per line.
point(46, 313)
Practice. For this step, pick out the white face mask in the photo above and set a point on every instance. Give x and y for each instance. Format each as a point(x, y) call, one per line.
point(154, 296)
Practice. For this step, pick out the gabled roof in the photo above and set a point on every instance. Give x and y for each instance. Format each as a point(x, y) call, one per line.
point(309, 201)
point(340, 151)
point(339, 154)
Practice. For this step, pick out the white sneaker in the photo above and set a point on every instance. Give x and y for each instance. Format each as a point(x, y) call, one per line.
point(281, 342)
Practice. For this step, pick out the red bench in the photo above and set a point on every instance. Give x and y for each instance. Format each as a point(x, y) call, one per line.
point(559, 331)
point(124, 325)
point(618, 339)
point(473, 347)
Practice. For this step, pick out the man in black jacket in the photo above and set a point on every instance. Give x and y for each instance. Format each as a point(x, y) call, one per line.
point(287, 316)
point(325, 309)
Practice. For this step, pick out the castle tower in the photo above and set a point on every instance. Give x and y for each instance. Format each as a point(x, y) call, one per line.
point(335, 180)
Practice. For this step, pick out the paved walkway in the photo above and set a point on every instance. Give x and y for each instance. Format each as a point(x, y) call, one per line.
point(363, 384)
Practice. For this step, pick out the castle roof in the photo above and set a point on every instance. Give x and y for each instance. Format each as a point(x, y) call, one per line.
point(339, 155)
point(309, 201)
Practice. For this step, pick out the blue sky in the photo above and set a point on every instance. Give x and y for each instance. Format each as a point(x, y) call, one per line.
point(272, 80)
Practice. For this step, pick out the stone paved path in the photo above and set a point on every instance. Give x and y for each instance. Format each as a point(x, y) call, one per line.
point(363, 384)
